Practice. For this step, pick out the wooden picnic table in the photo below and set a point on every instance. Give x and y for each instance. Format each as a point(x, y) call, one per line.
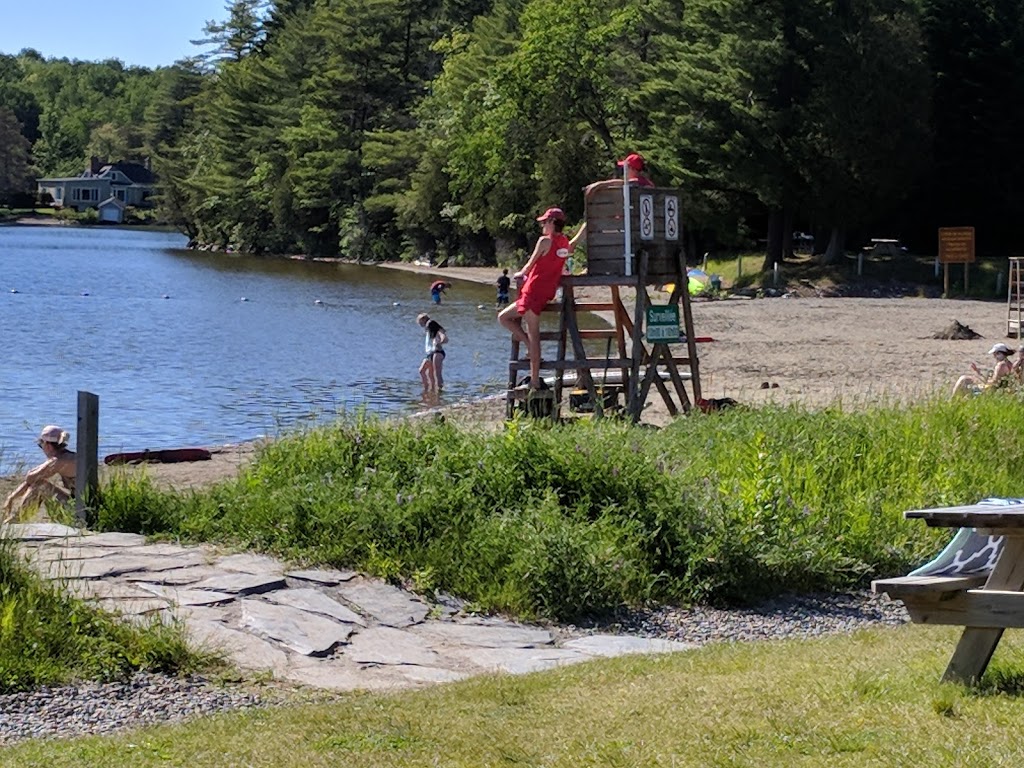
point(983, 603)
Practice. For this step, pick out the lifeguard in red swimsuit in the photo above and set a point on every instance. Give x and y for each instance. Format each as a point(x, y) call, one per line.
point(543, 273)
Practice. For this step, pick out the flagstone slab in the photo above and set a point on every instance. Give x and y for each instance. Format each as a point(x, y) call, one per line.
point(387, 645)
point(177, 576)
point(98, 589)
point(38, 531)
point(242, 583)
point(389, 605)
point(315, 601)
point(185, 596)
point(114, 539)
point(133, 605)
point(338, 675)
point(519, 661)
point(73, 552)
point(418, 674)
point(618, 645)
point(447, 633)
point(328, 578)
point(246, 562)
point(111, 565)
point(241, 648)
point(298, 630)
point(167, 549)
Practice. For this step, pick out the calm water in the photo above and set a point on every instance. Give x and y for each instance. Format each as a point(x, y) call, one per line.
point(202, 366)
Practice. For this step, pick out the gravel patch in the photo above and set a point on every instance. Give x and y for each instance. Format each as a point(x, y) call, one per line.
point(95, 708)
point(791, 616)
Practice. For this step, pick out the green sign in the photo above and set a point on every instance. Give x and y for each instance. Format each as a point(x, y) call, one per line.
point(663, 323)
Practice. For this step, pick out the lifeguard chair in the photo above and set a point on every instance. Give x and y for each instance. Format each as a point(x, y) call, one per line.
point(634, 240)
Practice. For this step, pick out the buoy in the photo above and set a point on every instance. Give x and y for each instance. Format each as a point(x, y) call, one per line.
point(14, 290)
point(396, 304)
point(165, 296)
point(85, 293)
point(243, 299)
point(480, 306)
point(318, 302)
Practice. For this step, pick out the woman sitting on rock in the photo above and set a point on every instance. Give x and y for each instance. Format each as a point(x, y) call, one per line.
point(36, 487)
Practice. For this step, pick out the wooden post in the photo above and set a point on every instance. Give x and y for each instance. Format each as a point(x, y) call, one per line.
point(945, 281)
point(967, 278)
point(87, 454)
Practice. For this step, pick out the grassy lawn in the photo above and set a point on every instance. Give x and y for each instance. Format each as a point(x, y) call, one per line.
point(867, 699)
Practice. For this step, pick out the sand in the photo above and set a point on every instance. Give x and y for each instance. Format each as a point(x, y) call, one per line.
point(812, 351)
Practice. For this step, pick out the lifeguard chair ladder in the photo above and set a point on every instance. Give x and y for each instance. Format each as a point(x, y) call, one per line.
point(633, 241)
point(1014, 299)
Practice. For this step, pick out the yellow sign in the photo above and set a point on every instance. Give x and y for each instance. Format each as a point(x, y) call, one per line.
point(956, 245)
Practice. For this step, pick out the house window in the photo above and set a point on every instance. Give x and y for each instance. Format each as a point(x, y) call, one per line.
point(58, 194)
point(119, 194)
point(85, 194)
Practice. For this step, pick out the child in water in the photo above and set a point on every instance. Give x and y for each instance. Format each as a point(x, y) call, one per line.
point(431, 369)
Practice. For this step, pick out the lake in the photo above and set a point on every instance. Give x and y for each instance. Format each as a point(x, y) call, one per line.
point(190, 348)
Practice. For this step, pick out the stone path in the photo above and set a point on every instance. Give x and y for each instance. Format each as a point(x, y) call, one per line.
point(330, 629)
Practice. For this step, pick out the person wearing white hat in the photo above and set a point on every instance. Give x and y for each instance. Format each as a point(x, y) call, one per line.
point(976, 383)
point(36, 488)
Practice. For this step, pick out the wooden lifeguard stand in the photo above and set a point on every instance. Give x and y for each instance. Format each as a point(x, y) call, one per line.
point(1015, 299)
point(634, 240)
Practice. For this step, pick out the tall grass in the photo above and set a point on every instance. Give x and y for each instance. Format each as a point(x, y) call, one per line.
point(47, 637)
point(580, 519)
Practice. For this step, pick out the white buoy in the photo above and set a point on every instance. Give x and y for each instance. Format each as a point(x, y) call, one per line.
point(396, 304)
point(165, 296)
point(14, 290)
point(243, 299)
point(85, 293)
point(318, 302)
point(480, 306)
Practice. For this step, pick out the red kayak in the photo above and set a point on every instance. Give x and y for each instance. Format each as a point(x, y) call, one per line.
point(165, 456)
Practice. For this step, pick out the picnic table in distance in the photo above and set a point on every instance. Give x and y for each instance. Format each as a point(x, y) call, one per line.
point(881, 246)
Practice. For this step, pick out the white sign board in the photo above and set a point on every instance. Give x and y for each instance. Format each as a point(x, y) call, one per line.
point(646, 217)
point(671, 217)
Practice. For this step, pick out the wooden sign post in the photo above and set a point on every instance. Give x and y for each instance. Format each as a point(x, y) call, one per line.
point(87, 455)
point(956, 246)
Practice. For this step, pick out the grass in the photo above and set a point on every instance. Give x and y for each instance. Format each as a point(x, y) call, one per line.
point(575, 521)
point(49, 638)
point(872, 698)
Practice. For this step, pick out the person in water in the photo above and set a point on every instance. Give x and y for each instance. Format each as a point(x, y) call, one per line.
point(543, 273)
point(36, 488)
point(432, 367)
point(503, 283)
point(437, 288)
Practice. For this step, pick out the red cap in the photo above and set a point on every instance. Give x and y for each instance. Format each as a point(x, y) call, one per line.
point(552, 213)
point(634, 161)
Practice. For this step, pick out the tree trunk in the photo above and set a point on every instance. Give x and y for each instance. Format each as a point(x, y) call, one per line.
point(836, 247)
point(773, 253)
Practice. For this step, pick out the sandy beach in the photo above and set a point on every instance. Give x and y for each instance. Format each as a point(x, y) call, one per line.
point(811, 351)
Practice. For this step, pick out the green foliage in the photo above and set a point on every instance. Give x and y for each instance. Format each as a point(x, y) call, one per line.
point(49, 638)
point(580, 519)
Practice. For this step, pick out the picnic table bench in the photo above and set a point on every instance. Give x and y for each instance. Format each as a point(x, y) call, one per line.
point(881, 246)
point(976, 582)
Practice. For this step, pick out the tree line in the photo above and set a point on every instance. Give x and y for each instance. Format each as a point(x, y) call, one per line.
point(387, 128)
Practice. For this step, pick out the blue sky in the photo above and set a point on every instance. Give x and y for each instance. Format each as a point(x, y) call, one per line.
point(148, 33)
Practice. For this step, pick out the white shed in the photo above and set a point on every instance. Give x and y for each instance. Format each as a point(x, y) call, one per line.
point(111, 210)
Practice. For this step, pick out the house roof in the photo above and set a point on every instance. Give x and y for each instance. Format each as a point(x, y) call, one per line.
point(112, 201)
point(139, 174)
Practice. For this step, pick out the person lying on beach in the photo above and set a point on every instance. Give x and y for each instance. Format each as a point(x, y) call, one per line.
point(976, 383)
point(36, 488)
